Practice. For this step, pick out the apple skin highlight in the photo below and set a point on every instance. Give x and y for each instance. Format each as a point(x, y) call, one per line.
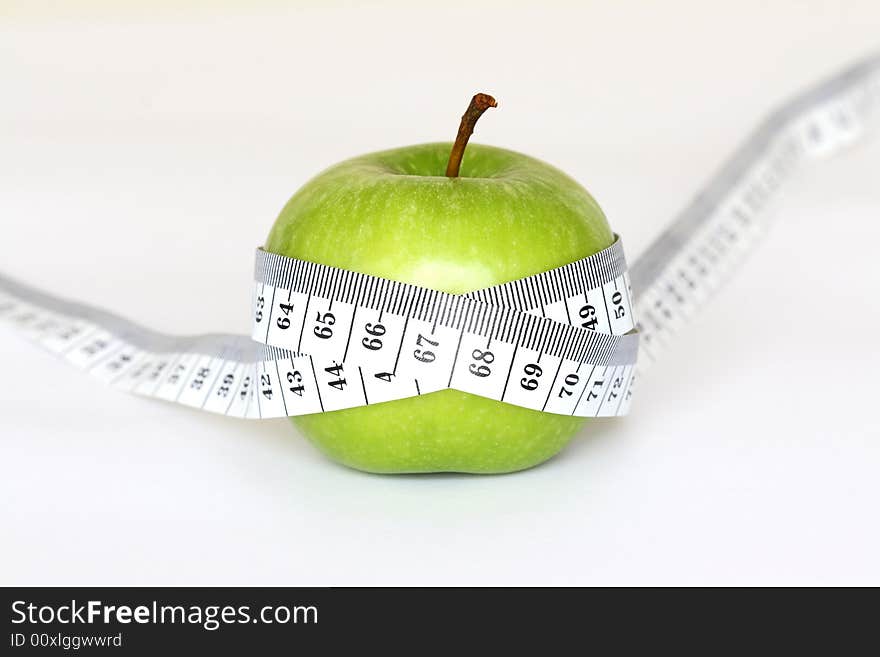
point(396, 215)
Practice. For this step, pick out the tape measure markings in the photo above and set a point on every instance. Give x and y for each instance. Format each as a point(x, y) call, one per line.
point(453, 311)
point(193, 379)
point(438, 313)
point(683, 268)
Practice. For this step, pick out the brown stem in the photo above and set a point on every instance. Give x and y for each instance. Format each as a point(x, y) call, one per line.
point(479, 104)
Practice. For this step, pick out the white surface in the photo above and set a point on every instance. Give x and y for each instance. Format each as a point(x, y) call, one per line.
point(146, 153)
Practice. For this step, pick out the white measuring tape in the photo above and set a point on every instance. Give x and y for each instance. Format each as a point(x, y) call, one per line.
point(555, 342)
point(563, 341)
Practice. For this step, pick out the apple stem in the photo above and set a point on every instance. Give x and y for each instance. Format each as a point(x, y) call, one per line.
point(479, 104)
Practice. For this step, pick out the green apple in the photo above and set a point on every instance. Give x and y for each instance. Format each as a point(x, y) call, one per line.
point(396, 215)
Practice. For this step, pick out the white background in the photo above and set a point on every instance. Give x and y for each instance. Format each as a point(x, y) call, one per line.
point(144, 153)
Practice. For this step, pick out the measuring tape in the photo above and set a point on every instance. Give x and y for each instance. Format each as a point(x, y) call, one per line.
point(684, 267)
point(559, 341)
point(325, 339)
point(564, 341)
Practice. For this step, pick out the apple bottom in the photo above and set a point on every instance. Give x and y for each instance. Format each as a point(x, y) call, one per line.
point(445, 431)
